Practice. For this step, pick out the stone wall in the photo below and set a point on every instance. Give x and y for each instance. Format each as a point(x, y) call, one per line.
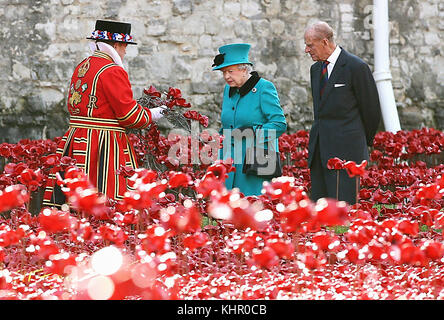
point(42, 41)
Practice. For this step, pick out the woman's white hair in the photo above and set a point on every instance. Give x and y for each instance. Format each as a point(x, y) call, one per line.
point(245, 66)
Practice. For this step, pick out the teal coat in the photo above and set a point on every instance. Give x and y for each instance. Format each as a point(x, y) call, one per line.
point(255, 103)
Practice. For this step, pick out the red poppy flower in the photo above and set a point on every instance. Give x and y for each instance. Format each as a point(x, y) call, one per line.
point(51, 160)
point(382, 196)
point(30, 178)
point(208, 185)
point(152, 91)
point(265, 258)
point(5, 150)
point(15, 169)
point(294, 216)
point(12, 197)
point(335, 164)
point(113, 233)
point(218, 171)
point(438, 220)
point(127, 218)
point(126, 171)
point(244, 217)
point(203, 120)
point(284, 189)
point(143, 196)
point(181, 219)
point(283, 248)
point(408, 227)
point(324, 241)
point(196, 240)
point(9, 236)
point(375, 155)
point(430, 191)
point(82, 231)
point(330, 212)
point(44, 246)
point(59, 263)
point(144, 176)
point(365, 193)
point(53, 220)
point(355, 170)
point(310, 259)
point(352, 255)
point(178, 179)
point(181, 102)
point(66, 162)
point(174, 93)
point(156, 239)
point(243, 242)
point(412, 255)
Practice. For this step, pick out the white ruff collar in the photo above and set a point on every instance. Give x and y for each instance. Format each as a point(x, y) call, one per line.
point(104, 47)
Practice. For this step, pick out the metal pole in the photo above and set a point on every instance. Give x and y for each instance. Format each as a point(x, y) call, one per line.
point(382, 73)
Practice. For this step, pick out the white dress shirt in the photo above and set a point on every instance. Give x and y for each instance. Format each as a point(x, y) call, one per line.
point(332, 60)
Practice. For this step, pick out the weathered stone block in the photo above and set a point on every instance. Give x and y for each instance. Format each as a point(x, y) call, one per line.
point(251, 9)
point(156, 27)
point(182, 6)
point(42, 42)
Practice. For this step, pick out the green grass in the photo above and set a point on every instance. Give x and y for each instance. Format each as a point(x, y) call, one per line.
point(208, 221)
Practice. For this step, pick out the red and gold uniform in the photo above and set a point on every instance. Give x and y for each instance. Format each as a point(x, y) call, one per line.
point(101, 107)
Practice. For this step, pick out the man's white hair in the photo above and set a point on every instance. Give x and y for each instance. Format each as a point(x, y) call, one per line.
point(321, 30)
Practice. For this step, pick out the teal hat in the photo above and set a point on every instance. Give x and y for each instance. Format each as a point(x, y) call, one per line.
point(231, 54)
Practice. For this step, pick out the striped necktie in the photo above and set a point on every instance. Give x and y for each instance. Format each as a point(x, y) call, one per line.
point(324, 76)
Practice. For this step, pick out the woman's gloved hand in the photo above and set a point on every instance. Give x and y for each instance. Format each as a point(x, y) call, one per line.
point(157, 113)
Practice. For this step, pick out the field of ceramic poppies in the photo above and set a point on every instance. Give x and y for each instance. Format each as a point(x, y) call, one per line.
point(181, 235)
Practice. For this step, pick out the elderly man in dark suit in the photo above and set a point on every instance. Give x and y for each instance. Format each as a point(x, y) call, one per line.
point(346, 112)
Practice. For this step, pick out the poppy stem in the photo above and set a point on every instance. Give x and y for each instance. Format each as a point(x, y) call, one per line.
point(337, 184)
point(22, 260)
point(295, 239)
point(2, 163)
point(357, 188)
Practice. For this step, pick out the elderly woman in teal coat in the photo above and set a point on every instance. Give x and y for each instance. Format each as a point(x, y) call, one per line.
point(250, 105)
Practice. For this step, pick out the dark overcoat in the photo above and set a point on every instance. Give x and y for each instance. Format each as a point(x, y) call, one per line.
point(346, 118)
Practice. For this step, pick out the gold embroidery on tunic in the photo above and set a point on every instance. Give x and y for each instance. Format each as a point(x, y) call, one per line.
point(83, 69)
point(92, 102)
point(74, 99)
point(78, 83)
